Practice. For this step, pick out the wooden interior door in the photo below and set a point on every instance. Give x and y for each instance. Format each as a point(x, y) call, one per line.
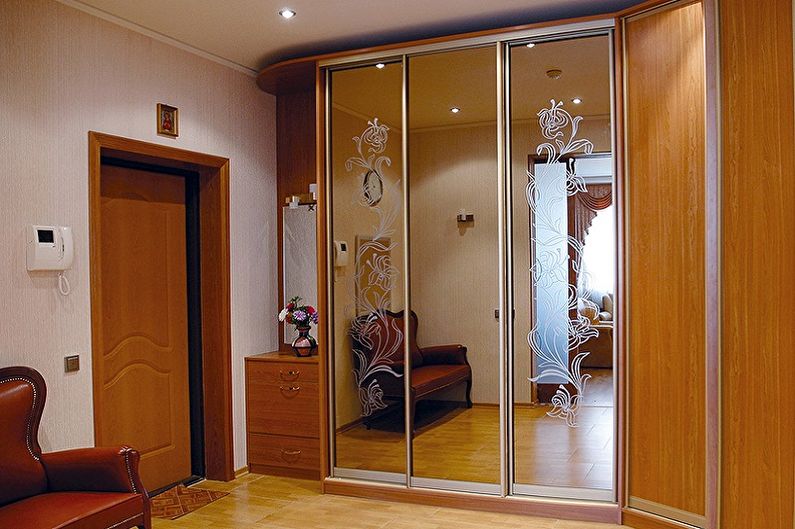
point(142, 372)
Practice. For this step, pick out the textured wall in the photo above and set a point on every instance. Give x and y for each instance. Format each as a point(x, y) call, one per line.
point(65, 73)
point(455, 267)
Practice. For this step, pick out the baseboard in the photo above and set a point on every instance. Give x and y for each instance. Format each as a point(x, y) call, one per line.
point(351, 425)
point(643, 520)
point(665, 512)
point(559, 509)
point(240, 472)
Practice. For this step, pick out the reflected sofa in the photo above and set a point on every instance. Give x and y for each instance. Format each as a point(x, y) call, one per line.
point(74, 489)
point(600, 347)
point(379, 339)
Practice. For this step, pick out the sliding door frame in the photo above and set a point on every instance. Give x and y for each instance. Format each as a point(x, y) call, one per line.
point(563, 492)
point(501, 497)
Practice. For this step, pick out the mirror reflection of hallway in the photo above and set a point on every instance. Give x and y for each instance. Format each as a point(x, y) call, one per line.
point(418, 356)
point(564, 255)
point(367, 220)
point(454, 259)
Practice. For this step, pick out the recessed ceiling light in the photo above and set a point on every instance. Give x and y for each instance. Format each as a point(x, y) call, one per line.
point(455, 110)
point(380, 65)
point(287, 13)
point(531, 44)
point(576, 100)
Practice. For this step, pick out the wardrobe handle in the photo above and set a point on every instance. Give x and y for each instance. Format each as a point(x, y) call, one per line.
point(291, 389)
point(289, 375)
point(290, 455)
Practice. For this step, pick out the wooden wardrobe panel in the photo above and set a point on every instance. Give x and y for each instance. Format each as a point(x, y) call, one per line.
point(665, 155)
point(295, 165)
point(295, 143)
point(758, 318)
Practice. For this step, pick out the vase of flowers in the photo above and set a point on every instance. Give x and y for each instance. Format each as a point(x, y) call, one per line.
point(302, 316)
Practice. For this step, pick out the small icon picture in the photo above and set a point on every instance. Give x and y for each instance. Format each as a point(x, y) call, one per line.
point(167, 120)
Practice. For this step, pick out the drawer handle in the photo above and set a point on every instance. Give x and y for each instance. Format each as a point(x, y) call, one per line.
point(290, 456)
point(289, 375)
point(291, 389)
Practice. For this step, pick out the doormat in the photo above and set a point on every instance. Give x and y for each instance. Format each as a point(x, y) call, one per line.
point(181, 500)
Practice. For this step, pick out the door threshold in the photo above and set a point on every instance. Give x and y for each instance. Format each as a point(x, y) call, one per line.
point(187, 482)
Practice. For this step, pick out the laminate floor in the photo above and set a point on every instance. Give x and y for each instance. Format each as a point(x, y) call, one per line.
point(267, 502)
point(463, 444)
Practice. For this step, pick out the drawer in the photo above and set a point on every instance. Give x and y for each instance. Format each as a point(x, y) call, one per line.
point(288, 408)
point(280, 372)
point(284, 451)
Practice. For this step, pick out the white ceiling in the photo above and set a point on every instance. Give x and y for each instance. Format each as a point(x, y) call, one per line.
point(251, 35)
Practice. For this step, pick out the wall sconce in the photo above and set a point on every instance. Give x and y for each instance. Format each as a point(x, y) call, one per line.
point(463, 216)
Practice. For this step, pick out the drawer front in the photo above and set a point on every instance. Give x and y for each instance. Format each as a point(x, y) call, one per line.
point(284, 451)
point(281, 372)
point(289, 408)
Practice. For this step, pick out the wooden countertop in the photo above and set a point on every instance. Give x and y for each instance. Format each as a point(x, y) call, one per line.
point(281, 356)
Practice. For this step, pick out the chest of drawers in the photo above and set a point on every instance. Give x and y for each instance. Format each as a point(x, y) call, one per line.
point(282, 415)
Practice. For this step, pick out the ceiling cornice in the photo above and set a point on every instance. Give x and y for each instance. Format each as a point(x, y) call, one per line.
point(99, 13)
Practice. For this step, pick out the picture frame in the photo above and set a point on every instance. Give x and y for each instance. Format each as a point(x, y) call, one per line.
point(167, 120)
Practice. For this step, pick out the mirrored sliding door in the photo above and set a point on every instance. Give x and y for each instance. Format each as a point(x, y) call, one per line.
point(366, 217)
point(454, 265)
point(564, 267)
point(472, 264)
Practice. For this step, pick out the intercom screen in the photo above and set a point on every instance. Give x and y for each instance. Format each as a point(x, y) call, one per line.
point(46, 236)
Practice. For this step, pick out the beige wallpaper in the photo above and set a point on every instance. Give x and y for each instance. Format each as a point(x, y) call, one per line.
point(65, 73)
point(455, 267)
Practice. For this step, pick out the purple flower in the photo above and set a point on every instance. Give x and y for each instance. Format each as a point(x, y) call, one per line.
point(314, 318)
point(299, 316)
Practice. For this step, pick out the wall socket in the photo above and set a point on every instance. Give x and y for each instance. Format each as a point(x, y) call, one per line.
point(71, 363)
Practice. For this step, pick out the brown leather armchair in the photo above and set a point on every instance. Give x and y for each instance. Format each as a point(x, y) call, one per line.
point(85, 488)
point(432, 368)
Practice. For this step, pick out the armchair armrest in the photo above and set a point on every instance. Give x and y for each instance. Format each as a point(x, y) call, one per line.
point(94, 469)
point(444, 354)
point(605, 316)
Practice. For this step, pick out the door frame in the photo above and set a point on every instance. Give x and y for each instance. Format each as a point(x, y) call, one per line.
point(215, 282)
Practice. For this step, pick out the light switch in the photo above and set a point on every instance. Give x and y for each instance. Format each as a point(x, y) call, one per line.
point(71, 363)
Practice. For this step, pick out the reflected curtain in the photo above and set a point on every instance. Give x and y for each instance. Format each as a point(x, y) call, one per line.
point(587, 204)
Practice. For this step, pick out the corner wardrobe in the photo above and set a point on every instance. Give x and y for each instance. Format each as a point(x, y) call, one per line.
point(514, 235)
